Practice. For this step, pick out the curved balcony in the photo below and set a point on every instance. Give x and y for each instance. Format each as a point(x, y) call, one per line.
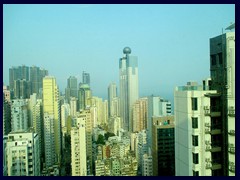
point(231, 132)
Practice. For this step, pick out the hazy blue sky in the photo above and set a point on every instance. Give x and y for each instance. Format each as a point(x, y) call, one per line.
point(171, 42)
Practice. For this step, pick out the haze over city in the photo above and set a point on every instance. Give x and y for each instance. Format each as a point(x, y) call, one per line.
point(119, 90)
point(171, 42)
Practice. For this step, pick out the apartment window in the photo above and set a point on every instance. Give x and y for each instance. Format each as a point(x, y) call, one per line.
point(195, 158)
point(213, 60)
point(194, 122)
point(195, 173)
point(220, 58)
point(195, 140)
point(194, 104)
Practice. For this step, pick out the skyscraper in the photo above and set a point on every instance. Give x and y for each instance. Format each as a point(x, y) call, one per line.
point(128, 74)
point(85, 78)
point(51, 111)
point(71, 90)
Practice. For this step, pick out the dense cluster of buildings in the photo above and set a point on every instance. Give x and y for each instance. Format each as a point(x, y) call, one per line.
point(49, 134)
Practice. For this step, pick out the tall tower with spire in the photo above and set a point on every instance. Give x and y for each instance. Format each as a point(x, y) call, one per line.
point(128, 74)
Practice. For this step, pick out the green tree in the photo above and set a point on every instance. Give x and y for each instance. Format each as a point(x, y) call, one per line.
point(100, 139)
point(108, 134)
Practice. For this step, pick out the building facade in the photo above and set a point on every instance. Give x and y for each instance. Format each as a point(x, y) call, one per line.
point(140, 115)
point(78, 149)
point(71, 90)
point(19, 115)
point(23, 154)
point(51, 112)
point(163, 150)
point(113, 106)
point(193, 131)
point(205, 116)
point(222, 70)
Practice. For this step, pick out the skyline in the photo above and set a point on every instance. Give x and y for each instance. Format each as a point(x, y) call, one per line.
point(91, 38)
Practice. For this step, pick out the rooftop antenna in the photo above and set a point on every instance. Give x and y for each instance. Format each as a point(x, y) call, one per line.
point(232, 26)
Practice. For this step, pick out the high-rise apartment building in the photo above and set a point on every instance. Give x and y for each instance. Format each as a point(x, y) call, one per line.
point(51, 112)
point(36, 77)
point(73, 106)
point(19, 115)
point(23, 83)
point(65, 113)
point(6, 118)
point(101, 108)
point(165, 107)
point(86, 116)
point(36, 118)
point(22, 89)
point(78, 148)
point(18, 72)
point(6, 111)
point(6, 94)
point(156, 107)
point(114, 125)
point(147, 165)
point(104, 120)
point(140, 114)
point(49, 140)
point(128, 75)
point(14, 74)
point(113, 100)
point(19, 81)
point(197, 135)
point(23, 154)
point(141, 149)
point(84, 96)
point(222, 70)
point(205, 116)
point(163, 150)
